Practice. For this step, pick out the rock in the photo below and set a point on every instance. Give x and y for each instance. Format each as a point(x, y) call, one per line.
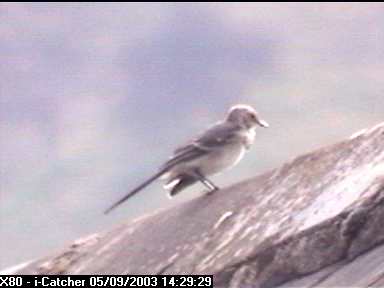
point(316, 221)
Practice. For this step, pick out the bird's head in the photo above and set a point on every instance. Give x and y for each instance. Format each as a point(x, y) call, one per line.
point(245, 116)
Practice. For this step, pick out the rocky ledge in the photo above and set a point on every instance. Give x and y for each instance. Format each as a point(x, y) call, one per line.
point(315, 221)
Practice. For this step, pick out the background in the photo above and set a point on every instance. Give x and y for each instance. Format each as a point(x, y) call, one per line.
point(94, 97)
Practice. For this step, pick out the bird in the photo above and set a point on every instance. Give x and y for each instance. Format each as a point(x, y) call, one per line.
point(218, 148)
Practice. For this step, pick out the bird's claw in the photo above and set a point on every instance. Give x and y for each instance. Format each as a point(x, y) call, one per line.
point(211, 191)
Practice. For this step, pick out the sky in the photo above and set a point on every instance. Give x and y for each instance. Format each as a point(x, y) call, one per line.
point(95, 96)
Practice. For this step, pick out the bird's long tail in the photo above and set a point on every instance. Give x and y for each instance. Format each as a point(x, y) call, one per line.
point(134, 191)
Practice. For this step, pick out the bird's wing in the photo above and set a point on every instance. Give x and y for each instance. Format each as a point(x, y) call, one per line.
point(216, 136)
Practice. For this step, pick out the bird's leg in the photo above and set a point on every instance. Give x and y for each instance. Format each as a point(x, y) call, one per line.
point(207, 183)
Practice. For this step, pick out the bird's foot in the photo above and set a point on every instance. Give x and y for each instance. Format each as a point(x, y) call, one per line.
point(211, 191)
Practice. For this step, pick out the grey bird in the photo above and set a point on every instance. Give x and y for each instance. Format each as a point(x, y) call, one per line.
point(220, 147)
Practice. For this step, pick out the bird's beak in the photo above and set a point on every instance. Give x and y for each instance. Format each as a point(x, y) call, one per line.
point(262, 123)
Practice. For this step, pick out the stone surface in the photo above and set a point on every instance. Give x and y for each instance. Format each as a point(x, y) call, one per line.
point(316, 221)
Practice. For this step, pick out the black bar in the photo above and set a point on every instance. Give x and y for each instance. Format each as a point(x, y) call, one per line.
point(157, 281)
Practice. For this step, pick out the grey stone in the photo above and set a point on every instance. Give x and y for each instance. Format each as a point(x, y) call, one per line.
point(316, 221)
